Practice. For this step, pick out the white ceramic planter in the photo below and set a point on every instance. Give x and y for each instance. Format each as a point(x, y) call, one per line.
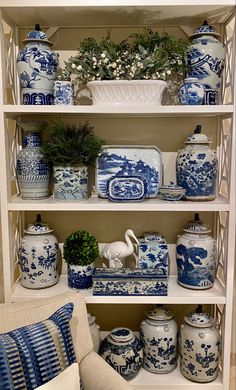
point(123, 92)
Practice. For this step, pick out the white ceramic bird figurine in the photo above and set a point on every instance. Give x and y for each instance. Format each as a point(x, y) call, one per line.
point(116, 251)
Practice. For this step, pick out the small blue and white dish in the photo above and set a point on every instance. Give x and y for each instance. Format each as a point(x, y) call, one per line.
point(126, 188)
point(172, 192)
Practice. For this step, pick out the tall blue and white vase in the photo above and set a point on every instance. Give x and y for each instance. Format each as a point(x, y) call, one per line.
point(80, 276)
point(200, 347)
point(70, 183)
point(197, 167)
point(63, 93)
point(38, 256)
point(196, 256)
point(205, 58)
point(123, 351)
point(191, 92)
point(37, 67)
point(159, 339)
point(32, 171)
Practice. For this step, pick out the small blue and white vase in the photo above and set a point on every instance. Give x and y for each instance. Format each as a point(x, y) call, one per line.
point(70, 183)
point(123, 351)
point(191, 92)
point(159, 338)
point(196, 256)
point(197, 167)
point(200, 347)
point(63, 93)
point(32, 171)
point(80, 276)
point(37, 67)
point(205, 58)
point(38, 256)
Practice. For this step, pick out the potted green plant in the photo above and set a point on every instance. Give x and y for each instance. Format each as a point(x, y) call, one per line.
point(70, 149)
point(80, 252)
point(135, 70)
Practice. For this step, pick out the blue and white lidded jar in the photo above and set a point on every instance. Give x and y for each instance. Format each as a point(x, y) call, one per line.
point(196, 256)
point(95, 332)
point(37, 66)
point(191, 92)
point(38, 256)
point(206, 61)
point(200, 346)
point(159, 338)
point(63, 92)
point(197, 167)
point(123, 351)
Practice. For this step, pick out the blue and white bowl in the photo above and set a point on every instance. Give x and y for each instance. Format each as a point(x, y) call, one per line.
point(171, 192)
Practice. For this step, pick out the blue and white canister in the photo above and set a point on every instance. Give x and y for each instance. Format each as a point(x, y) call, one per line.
point(191, 92)
point(63, 93)
point(123, 351)
point(38, 256)
point(200, 347)
point(159, 339)
point(197, 167)
point(70, 183)
point(196, 256)
point(80, 276)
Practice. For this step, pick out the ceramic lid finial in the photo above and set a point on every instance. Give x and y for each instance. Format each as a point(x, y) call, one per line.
point(196, 217)
point(37, 27)
point(198, 129)
point(205, 23)
point(199, 309)
point(38, 218)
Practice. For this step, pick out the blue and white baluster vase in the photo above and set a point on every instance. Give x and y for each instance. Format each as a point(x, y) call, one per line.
point(196, 256)
point(159, 339)
point(191, 92)
point(38, 256)
point(33, 173)
point(37, 67)
point(197, 167)
point(205, 57)
point(200, 346)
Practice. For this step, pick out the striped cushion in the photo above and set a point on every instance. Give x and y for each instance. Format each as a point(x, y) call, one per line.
point(34, 354)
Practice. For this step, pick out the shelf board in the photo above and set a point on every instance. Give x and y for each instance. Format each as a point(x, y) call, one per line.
point(13, 111)
point(176, 294)
point(98, 204)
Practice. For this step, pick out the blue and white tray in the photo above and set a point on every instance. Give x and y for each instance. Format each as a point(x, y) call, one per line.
point(132, 160)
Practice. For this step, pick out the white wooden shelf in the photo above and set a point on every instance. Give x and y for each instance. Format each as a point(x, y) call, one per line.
point(176, 294)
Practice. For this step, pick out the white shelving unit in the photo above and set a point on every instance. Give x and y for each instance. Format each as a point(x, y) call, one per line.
point(16, 18)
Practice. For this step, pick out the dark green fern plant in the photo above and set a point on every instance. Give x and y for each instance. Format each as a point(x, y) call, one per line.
point(80, 248)
point(68, 144)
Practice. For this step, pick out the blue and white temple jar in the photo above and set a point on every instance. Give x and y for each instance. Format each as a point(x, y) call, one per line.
point(32, 171)
point(205, 58)
point(197, 167)
point(123, 351)
point(191, 92)
point(70, 182)
point(196, 256)
point(38, 256)
point(63, 93)
point(37, 66)
point(80, 276)
point(200, 346)
point(159, 338)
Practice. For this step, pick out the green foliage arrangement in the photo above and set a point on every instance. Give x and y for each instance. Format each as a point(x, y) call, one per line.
point(68, 144)
point(80, 248)
point(143, 56)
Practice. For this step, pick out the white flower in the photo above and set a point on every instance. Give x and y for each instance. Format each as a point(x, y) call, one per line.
point(168, 71)
point(139, 64)
point(114, 65)
point(94, 59)
point(103, 55)
point(73, 66)
point(79, 67)
point(179, 62)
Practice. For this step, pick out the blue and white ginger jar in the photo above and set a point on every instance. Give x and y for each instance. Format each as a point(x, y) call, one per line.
point(123, 351)
point(191, 92)
point(196, 256)
point(159, 338)
point(200, 346)
point(197, 167)
point(206, 61)
point(38, 256)
point(37, 66)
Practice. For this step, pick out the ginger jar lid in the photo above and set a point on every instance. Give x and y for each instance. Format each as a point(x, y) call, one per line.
point(196, 226)
point(159, 313)
point(37, 35)
point(38, 227)
point(199, 319)
point(205, 29)
point(121, 335)
point(197, 137)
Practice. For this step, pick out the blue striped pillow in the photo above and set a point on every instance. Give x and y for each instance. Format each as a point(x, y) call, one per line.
point(34, 354)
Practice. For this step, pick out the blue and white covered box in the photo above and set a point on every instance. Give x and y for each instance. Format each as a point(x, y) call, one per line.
point(127, 281)
point(153, 254)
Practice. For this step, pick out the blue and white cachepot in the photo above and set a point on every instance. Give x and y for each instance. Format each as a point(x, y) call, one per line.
point(33, 173)
point(123, 351)
point(38, 256)
point(197, 167)
point(159, 338)
point(37, 66)
point(196, 256)
point(200, 346)
point(80, 276)
point(70, 182)
point(205, 58)
point(191, 92)
point(63, 93)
